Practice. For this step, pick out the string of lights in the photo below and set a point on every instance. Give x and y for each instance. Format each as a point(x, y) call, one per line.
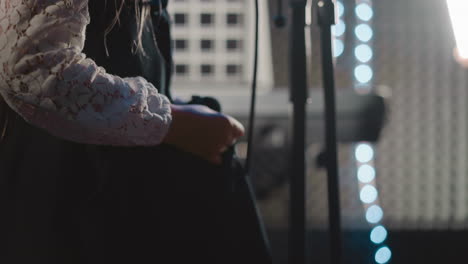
point(364, 152)
point(338, 31)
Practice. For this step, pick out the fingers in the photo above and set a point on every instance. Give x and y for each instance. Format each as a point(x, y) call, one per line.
point(238, 128)
point(216, 156)
point(203, 132)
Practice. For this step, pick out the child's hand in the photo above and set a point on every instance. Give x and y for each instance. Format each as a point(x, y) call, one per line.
point(201, 131)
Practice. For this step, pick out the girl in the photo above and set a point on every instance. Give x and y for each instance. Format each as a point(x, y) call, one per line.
point(96, 164)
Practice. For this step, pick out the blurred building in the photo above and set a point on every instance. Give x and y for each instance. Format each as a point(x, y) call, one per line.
point(214, 44)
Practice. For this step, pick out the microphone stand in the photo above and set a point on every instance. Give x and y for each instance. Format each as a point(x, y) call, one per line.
point(326, 18)
point(298, 97)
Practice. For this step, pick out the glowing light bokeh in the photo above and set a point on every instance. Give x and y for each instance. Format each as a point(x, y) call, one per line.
point(374, 214)
point(368, 194)
point(340, 8)
point(378, 234)
point(363, 73)
point(364, 12)
point(364, 153)
point(339, 29)
point(366, 173)
point(383, 255)
point(338, 47)
point(363, 53)
point(364, 32)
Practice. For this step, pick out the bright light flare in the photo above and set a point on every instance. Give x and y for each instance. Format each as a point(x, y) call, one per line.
point(458, 10)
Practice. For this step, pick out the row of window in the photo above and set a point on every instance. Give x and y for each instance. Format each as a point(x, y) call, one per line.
point(207, 19)
point(208, 69)
point(208, 44)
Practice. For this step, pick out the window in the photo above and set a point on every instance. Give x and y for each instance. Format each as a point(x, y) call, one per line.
point(181, 69)
point(181, 44)
point(233, 44)
point(206, 69)
point(233, 19)
point(206, 19)
point(180, 19)
point(233, 69)
point(206, 44)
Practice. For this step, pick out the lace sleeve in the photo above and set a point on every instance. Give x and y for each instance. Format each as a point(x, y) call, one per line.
point(46, 78)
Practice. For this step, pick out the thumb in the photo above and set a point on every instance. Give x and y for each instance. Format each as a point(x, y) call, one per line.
point(238, 128)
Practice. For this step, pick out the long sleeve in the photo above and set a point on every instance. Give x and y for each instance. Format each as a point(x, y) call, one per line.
point(46, 78)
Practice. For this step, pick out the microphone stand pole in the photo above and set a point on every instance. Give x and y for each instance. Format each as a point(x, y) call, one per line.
point(326, 18)
point(298, 97)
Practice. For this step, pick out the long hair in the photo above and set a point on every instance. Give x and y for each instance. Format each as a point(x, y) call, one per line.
point(142, 12)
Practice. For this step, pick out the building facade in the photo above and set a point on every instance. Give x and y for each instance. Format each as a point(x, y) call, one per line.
point(214, 44)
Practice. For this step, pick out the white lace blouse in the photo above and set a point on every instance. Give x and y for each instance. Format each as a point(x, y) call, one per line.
point(45, 77)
